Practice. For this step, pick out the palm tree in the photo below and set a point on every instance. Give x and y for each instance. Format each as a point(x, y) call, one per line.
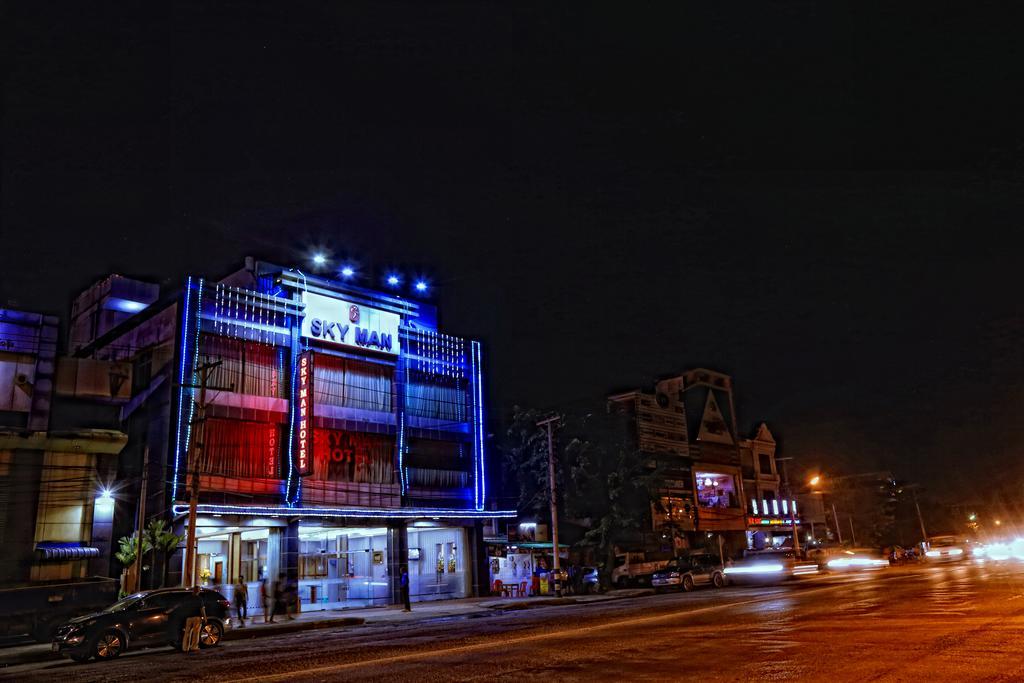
point(128, 547)
point(161, 538)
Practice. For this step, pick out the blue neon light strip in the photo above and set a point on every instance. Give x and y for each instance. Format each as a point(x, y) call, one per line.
point(181, 385)
point(479, 486)
point(401, 448)
point(480, 425)
point(291, 429)
point(193, 377)
point(404, 513)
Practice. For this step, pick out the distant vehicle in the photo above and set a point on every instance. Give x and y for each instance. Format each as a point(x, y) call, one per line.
point(856, 560)
point(633, 568)
point(685, 573)
point(946, 549)
point(38, 609)
point(147, 619)
point(770, 566)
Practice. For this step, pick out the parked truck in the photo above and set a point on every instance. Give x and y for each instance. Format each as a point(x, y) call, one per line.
point(37, 609)
point(634, 569)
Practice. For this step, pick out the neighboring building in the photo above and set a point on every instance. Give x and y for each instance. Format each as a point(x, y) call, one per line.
point(769, 515)
point(335, 431)
point(57, 460)
point(688, 425)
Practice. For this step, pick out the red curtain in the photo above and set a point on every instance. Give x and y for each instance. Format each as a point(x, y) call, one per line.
point(353, 456)
point(239, 448)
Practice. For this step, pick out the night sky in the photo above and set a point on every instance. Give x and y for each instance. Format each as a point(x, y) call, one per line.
point(822, 200)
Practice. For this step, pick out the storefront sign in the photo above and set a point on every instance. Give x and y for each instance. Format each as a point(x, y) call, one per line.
point(304, 414)
point(768, 521)
point(343, 323)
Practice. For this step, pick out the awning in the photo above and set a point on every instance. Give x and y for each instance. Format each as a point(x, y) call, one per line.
point(65, 551)
point(529, 545)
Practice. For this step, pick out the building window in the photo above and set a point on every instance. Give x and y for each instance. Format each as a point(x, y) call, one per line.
point(240, 448)
point(716, 490)
point(436, 396)
point(766, 463)
point(352, 384)
point(247, 367)
point(353, 456)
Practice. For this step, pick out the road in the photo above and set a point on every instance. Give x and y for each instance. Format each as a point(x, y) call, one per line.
point(935, 623)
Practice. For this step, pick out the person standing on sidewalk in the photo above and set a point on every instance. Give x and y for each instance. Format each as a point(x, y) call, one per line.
point(404, 579)
point(240, 596)
point(194, 621)
point(265, 600)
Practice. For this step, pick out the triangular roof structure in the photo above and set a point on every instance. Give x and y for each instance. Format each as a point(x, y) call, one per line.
point(764, 434)
point(713, 427)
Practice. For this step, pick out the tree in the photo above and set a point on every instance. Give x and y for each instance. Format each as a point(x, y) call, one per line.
point(525, 453)
point(128, 547)
point(612, 484)
point(162, 539)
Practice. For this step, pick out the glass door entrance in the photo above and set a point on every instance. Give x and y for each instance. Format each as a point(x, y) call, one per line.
point(342, 568)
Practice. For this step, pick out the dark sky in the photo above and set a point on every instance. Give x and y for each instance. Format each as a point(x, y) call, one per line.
point(823, 200)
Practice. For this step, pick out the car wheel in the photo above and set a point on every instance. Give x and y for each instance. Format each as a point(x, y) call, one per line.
point(109, 645)
point(81, 659)
point(718, 580)
point(211, 634)
point(687, 583)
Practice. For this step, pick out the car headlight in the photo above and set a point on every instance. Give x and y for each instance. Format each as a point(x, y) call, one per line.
point(756, 569)
point(933, 553)
point(956, 551)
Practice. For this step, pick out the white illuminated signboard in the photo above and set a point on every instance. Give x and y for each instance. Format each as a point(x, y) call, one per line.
point(343, 323)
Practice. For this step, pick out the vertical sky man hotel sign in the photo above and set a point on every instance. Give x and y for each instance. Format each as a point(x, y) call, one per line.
point(304, 430)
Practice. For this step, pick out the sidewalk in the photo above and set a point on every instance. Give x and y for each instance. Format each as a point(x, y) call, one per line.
point(306, 621)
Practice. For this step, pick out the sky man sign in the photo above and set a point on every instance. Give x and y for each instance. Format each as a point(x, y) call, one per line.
point(340, 322)
point(304, 409)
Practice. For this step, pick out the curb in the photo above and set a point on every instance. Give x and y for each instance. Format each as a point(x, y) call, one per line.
point(551, 602)
point(234, 633)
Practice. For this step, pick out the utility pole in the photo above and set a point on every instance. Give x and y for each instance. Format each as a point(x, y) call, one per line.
point(194, 462)
point(792, 512)
point(554, 503)
point(835, 520)
point(852, 532)
point(920, 519)
point(142, 521)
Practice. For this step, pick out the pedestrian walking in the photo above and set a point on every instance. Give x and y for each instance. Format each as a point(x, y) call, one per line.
point(265, 600)
point(278, 598)
point(240, 596)
point(404, 580)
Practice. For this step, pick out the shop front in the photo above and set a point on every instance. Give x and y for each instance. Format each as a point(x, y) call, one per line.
point(522, 569)
point(335, 567)
point(349, 567)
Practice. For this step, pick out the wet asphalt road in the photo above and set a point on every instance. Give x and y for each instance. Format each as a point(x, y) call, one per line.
point(949, 623)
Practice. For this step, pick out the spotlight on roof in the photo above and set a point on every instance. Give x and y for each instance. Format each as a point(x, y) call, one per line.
point(347, 271)
point(319, 259)
point(393, 280)
point(421, 286)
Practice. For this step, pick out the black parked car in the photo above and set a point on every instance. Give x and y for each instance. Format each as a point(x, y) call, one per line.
point(147, 619)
